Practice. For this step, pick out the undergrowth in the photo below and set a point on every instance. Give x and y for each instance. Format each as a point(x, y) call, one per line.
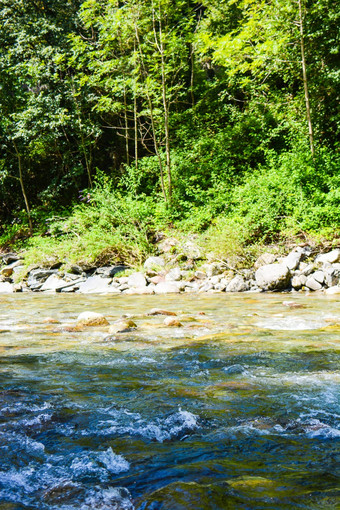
point(292, 198)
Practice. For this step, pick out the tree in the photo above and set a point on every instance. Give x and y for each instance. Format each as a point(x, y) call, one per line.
point(268, 43)
point(136, 62)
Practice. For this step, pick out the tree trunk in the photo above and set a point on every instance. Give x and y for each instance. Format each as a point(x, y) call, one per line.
point(160, 47)
point(154, 137)
point(87, 162)
point(305, 80)
point(126, 130)
point(21, 179)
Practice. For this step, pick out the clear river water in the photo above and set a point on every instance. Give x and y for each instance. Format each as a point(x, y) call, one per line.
point(237, 409)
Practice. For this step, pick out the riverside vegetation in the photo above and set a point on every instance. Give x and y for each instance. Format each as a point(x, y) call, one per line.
point(212, 123)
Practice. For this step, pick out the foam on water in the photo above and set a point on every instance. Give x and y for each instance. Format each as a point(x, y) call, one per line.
point(311, 428)
point(291, 323)
point(99, 463)
point(19, 484)
point(112, 498)
point(161, 429)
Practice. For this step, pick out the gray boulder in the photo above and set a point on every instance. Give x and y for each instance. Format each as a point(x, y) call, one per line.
point(166, 288)
point(332, 274)
point(205, 287)
point(331, 257)
point(8, 270)
point(294, 258)
point(37, 277)
point(264, 260)
point(53, 283)
point(8, 258)
point(110, 271)
point(313, 284)
point(319, 276)
point(154, 262)
point(96, 284)
point(213, 269)
point(237, 284)
point(174, 274)
point(273, 277)
point(6, 287)
point(307, 269)
point(298, 281)
point(136, 280)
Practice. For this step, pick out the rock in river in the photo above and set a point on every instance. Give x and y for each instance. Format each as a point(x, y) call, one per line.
point(159, 311)
point(122, 326)
point(91, 319)
point(171, 322)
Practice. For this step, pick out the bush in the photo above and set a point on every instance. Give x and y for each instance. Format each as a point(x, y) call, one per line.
point(106, 227)
point(292, 193)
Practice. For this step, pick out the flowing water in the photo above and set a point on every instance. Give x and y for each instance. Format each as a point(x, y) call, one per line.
point(237, 409)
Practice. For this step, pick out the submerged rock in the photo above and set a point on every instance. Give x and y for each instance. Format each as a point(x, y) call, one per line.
point(171, 322)
point(50, 320)
point(122, 326)
point(292, 304)
point(91, 319)
point(159, 311)
point(234, 369)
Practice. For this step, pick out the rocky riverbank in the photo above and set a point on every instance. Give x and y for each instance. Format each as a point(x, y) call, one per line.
point(300, 270)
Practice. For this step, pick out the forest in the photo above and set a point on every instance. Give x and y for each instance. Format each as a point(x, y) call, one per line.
point(123, 119)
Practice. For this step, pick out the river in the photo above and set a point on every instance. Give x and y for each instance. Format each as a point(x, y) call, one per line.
point(237, 409)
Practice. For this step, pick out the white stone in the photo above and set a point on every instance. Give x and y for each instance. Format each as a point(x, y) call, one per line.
point(53, 283)
point(150, 289)
point(173, 275)
point(219, 287)
point(292, 260)
point(333, 290)
point(166, 288)
point(264, 260)
point(154, 262)
point(91, 319)
point(95, 285)
point(299, 281)
point(319, 276)
point(331, 257)
point(6, 287)
point(237, 284)
point(205, 287)
point(136, 280)
point(273, 277)
point(312, 284)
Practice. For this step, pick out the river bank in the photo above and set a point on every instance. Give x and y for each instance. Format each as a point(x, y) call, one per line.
point(303, 269)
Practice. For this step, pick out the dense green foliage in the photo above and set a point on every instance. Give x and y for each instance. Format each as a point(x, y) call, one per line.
point(194, 114)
